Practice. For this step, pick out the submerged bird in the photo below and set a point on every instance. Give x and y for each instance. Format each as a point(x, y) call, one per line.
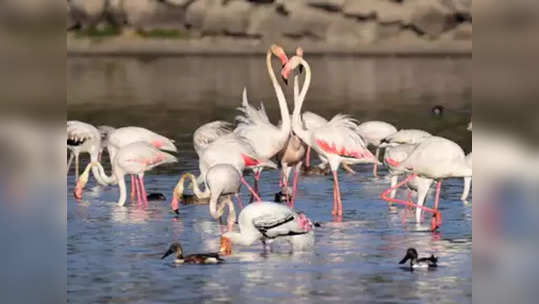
point(156, 196)
point(266, 222)
point(415, 262)
point(197, 258)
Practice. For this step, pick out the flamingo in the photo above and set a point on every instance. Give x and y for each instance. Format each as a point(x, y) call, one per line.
point(84, 138)
point(405, 136)
point(135, 159)
point(208, 133)
point(312, 121)
point(436, 158)
point(337, 141)
point(235, 151)
point(222, 182)
point(266, 222)
point(373, 132)
point(254, 126)
point(467, 180)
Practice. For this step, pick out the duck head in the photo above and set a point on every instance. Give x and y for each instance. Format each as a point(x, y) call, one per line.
point(174, 248)
point(411, 254)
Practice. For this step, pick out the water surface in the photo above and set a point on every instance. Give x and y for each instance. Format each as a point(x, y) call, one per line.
point(114, 252)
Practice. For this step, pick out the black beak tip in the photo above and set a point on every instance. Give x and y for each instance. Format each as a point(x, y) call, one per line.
point(176, 211)
point(285, 81)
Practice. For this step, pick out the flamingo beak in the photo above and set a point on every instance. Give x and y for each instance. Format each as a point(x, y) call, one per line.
point(285, 81)
point(175, 205)
point(226, 246)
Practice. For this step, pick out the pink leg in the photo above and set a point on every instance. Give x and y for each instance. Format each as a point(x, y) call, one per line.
point(338, 193)
point(239, 201)
point(308, 157)
point(285, 186)
point(133, 189)
point(437, 219)
point(334, 211)
point(144, 194)
point(256, 196)
point(295, 183)
point(139, 194)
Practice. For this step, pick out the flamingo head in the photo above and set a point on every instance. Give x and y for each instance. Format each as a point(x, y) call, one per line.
point(82, 181)
point(279, 52)
point(289, 67)
point(226, 246)
point(177, 195)
point(304, 222)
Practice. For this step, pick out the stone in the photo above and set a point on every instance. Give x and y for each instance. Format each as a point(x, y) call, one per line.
point(384, 11)
point(307, 21)
point(431, 17)
point(267, 23)
point(463, 31)
point(348, 32)
point(87, 13)
point(195, 13)
point(330, 5)
point(232, 18)
point(150, 14)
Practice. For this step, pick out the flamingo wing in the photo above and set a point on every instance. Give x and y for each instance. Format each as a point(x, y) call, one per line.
point(78, 132)
point(210, 132)
point(142, 156)
point(277, 225)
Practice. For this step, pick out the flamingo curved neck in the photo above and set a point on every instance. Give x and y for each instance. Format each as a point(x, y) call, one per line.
point(98, 169)
point(297, 125)
point(196, 190)
point(283, 107)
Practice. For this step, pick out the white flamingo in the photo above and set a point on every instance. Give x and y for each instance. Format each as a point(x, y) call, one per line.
point(134, 159)
point(222, 182)
point(254, 126)
point(337, 141)
point(266, 222)
point(405, 136)
point(435, 158)
point(84, 138)
point(208, 133)
point(312, 121)
point(373, 132)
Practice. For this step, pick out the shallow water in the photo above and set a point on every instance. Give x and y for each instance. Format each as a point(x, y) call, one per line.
point(114, 253)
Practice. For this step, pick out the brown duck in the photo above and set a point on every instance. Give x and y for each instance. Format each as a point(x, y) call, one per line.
point(197, 258)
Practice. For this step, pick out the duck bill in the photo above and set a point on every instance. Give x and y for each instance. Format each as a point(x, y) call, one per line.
point(226, 246)
point(169, 252)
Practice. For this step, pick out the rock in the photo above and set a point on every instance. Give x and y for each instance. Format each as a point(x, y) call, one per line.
point(463, 31)
point(348, 32)
point(87, 13)
point(195, 13)
point(384, 11)
point(330, 5)
point(267, 23)
point(232, 18)
point(116, 12)
point(307, 21)
point(178, 2)
point(431, 17)
point(388, 30)
point(148, 14)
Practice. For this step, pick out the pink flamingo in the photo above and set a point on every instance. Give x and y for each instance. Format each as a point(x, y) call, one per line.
point(134, 159)
point(254, 126)
point(312, 121)
point(373, 132)
point(337, 141)
point(435, 158)
point(82, 138)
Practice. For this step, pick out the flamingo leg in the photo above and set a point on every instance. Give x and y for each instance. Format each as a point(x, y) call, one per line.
point(139, 194)
point(337, 201)
point(437, 219)
point(71, 156)
point(375, 168)
point(253, 193)
point(238, 197)
point(297, 168)
point(308, 158)
point(348, 169)
point(334, 211)
point(133, 189)
point(76, 166)
point(285, 186)
point(143, 189)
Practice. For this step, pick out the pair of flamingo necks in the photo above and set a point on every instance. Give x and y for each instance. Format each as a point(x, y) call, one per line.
point(436, 214)
point(138, 189)
point(290, 199)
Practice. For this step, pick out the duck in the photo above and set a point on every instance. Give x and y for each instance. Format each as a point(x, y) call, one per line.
point(156, 196)
point(197, 258)
point(415, 262)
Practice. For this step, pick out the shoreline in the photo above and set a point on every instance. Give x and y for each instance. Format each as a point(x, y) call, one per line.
point(233, 46)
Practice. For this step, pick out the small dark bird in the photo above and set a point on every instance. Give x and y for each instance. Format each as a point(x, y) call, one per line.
point(280, 197)
point(438, 110)
point(197, 258)
point(315, 170)
point(415, 262)
point(156, 197)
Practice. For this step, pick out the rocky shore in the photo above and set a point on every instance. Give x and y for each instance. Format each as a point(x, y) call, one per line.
point(369, 27)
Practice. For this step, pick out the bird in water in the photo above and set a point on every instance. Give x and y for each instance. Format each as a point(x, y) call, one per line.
point(156, 196)
point(415, 262)
point(197, 258)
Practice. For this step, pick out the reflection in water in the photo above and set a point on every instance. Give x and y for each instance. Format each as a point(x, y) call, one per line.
point(114, 252)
